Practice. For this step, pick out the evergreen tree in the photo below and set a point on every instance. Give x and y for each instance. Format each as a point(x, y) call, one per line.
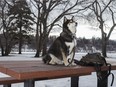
point(23, 20)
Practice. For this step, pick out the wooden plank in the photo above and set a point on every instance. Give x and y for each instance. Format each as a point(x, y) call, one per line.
point(36, 69)
point(9, 80)
point(10, 64)
point(51, 72)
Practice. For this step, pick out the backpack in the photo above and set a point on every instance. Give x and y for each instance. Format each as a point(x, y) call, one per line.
point(96, 60)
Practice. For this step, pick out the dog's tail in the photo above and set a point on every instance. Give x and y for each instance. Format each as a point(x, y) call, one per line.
point(46, 59)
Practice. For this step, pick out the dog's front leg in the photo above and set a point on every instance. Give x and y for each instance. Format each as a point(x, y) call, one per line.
point(66, 63)
point(70, 57)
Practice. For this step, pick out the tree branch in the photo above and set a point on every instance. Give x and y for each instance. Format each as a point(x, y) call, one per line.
point(106, 6)
point(114, 23)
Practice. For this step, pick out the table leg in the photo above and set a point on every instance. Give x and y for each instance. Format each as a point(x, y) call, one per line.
point(104, 82)
point(6, 85)
point(29, 83)
point(74, 81)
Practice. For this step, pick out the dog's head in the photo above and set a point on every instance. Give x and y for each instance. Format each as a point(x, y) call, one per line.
point(69, 25)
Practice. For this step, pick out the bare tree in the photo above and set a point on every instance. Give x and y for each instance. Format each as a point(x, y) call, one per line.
point(50, 12)
point(104, 12)
point(6, 38)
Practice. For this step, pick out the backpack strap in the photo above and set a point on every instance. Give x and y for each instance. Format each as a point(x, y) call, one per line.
point(98, 72)
point(110, 73)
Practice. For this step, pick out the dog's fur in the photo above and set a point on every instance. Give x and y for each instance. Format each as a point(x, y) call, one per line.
point(62, 50)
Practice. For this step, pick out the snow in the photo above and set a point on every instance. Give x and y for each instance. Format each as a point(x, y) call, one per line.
point(84, 81)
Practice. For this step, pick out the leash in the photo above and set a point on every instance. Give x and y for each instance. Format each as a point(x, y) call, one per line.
point(71, 60)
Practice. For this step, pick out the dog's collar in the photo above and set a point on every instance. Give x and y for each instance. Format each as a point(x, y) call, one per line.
point(73, 35)
point(67, 36)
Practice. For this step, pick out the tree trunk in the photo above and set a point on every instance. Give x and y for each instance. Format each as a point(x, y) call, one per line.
point(6, 48)
point(6, 51)
point(38, 45)
point(2, 48)
point(45, 37)
point(2, 51)
point(104, 44)
point(45, 45)
point(38, 35)
point(20, 40)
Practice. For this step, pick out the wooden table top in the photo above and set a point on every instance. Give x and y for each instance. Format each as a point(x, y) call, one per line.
point(24, 70)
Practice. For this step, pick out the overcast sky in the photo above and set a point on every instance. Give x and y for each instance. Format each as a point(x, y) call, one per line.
point(87, 32)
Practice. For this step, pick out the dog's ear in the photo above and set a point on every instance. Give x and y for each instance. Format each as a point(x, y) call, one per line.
point(65, 19)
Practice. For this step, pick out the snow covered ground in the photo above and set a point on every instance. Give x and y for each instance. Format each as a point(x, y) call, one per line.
point(85, 81)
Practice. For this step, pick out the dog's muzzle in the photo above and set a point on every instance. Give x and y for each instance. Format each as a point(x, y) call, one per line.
point(76, 23)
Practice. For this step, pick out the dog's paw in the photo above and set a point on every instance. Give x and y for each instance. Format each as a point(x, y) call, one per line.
point(66, 64)
point(73, 64)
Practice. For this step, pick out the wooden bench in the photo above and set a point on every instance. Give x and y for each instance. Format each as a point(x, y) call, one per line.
point(31, 71)
point(7, 81)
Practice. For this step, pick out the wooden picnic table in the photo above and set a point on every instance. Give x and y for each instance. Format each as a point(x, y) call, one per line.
point(29, 71)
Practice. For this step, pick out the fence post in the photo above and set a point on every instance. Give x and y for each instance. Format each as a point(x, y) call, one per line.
point(74, 81)
point(29, 83)
point(7, 85)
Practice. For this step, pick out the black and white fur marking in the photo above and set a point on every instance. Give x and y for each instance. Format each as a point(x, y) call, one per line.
point(62, 50)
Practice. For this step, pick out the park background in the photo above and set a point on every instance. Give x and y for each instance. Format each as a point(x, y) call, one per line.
point(30, 26)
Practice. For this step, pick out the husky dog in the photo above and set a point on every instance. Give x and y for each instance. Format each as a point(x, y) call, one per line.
point(62, 50)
